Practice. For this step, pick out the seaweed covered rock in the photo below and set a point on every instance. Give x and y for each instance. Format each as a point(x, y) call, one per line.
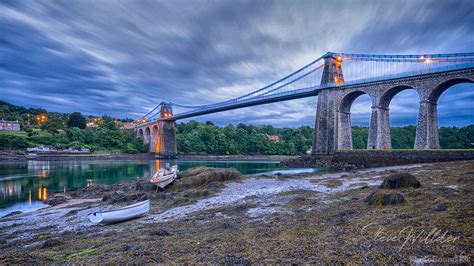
point(400, 180)
point(382, 198)
point(439, 208)
point(120, 196)
point(52, 242)
point(57, 199)
point(205, 176)
point(159, 232)
point(144, 184)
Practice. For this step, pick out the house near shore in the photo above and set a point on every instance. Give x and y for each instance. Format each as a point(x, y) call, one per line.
point(273, 138)
point(6, 125)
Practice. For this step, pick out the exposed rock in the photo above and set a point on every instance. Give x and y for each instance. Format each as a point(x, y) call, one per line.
point(199, 176)
point(382, 198)
point(13, 213)
point(400, 180)
point(120, 196)
point(439, 208)
point(71, 213)
point(159, 232)
point(114, 196)
point(57, 199)
point(144, 185)
point(52, 242)
point(332, 183)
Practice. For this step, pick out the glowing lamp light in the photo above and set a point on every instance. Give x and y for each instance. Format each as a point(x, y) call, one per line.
point(338, 61)
point(41, 118)
point(427, 61)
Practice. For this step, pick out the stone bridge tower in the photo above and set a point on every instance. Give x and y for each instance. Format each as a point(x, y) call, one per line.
point(333, 117)
point(324, 139)
point(160, 135)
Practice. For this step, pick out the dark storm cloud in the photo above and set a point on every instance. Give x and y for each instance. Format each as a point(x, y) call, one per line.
point(124, 57)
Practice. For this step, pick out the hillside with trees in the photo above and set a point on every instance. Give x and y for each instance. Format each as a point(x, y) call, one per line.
point(195, 137)
point(40, 127)
point(69, 130)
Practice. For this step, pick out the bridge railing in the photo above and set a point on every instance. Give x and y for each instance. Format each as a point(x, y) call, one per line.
point(306, 90)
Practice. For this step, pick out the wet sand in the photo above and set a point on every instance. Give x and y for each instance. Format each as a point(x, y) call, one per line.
point(300, 218)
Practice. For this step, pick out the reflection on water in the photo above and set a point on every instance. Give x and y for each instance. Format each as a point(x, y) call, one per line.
point(29, 183)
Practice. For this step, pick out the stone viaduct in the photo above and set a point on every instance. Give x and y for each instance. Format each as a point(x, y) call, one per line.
point(333, 115)
point(160, 135)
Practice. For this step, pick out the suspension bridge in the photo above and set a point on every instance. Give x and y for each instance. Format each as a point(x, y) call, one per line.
point(381, 77)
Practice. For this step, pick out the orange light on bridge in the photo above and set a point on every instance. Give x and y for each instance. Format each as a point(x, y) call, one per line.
point(338, 80)
point(338, 61)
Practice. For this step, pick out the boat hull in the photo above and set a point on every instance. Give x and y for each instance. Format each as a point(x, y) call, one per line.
point(119, 215)
point(162, 180)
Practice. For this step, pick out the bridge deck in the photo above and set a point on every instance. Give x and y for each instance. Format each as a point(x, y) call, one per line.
point(310, 91)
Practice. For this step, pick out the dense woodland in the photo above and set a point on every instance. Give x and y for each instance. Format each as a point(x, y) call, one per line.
point(69, 130)
point(247, 139)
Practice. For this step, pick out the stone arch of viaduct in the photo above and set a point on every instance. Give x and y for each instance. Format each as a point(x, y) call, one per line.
point(160, 136)
point(333, 116)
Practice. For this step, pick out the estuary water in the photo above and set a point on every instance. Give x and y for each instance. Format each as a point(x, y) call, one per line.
point(26, 185)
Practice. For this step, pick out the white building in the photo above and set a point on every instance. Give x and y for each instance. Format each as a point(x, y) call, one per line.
point(9, 125)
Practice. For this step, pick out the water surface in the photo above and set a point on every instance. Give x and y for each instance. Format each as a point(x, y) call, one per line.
point(26, 185)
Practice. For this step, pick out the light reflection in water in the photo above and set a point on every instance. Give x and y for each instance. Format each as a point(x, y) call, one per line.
point(157, 165)
point(20, 180)
point(42, 194)
point(45, 195)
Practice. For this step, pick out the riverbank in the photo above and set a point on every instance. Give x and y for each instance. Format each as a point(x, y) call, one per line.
point(360, 159)
point(303, 218)
point(17, 155)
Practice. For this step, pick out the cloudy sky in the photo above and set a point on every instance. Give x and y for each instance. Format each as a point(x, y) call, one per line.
point(124, 57)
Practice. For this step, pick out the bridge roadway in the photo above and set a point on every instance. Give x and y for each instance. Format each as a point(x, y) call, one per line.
point(333, 118)
point(314, 91)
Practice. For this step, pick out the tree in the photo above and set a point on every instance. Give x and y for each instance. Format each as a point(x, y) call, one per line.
point(76, 120)
point(53, 125)
point(75, 134)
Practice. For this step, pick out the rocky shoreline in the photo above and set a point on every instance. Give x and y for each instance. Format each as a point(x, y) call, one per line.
point(220, 216)
point(351, 160)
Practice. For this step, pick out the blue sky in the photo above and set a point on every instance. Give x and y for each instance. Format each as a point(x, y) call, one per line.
point(124, 57)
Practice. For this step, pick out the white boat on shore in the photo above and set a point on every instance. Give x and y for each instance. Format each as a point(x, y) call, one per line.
point(122, 214)
point(164, 177)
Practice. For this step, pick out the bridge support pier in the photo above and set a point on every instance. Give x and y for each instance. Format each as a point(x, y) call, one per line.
point(163, 139)
point(427, 126)
point(147, 138)
point(344, 132)
point(324, 136)
point(379, 130)
point(325, 129)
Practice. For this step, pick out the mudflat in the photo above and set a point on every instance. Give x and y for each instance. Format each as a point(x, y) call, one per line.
point(219, 216)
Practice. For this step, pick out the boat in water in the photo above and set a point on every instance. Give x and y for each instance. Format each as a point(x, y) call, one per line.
point(122, 214)
point(165, 176)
